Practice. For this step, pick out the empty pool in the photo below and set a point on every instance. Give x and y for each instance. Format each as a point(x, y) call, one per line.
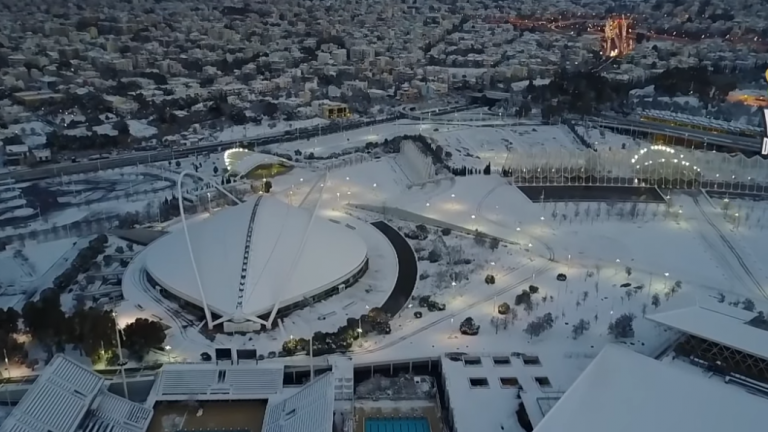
point(418, 424)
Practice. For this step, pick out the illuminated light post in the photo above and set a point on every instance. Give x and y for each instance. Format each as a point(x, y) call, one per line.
point(665, 281)
point(120, 355)
point(168, 351)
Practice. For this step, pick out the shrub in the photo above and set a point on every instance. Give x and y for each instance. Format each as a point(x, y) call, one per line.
point(523, 298)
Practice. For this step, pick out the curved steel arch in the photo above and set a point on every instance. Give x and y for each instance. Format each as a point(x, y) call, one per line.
point(321, 182)
point(184, 173)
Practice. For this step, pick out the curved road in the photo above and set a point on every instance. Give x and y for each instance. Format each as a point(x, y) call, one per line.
point(407, 269)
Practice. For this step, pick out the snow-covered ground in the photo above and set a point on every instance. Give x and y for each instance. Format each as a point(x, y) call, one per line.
point(607, 140)
point(23, 266)
point(598, 247)
point(477, 146)
point(105, 193)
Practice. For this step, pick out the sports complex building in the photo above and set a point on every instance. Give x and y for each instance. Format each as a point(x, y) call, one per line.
point(247, 264)
point(225, 396)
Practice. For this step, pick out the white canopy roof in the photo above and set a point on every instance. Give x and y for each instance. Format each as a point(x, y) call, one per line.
point(330, 253)
point(240, 161)
point(309, 410)
point(719, 323)
point(69, 396)
point(629, 392)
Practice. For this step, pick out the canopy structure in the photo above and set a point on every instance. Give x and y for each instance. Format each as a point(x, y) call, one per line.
point(242, 162)
point(248, 260)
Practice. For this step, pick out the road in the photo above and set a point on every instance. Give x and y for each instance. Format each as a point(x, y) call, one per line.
point(56, 170)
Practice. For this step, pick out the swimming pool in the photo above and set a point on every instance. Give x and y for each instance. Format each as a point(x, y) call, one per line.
point(418, 424)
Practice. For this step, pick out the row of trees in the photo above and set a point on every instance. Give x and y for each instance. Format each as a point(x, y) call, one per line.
point(376, 321)
point(82, 262)
point(90, 330)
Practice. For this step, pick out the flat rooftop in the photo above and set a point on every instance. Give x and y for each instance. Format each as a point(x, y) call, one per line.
point(625, 391)
point(484, 392)
point(720, 323)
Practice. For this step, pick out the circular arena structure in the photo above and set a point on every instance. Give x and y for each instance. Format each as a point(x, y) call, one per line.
point(251, 263)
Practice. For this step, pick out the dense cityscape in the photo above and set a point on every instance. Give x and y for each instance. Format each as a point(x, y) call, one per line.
point(410, 216)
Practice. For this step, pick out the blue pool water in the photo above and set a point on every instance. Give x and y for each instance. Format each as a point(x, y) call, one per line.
point(419, 424)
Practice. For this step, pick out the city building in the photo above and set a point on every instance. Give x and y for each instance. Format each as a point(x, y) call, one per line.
point(334, 111)
point(33, 98)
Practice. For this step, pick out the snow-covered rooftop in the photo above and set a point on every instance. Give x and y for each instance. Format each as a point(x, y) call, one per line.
point(309, 410)
point(69, 396)
point(628, 392)
point(718, 323)
point(483, 396)
point(271, 273)
point(211, 382)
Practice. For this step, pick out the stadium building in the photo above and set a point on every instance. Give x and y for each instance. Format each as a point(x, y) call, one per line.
point(250, 263)
point(235, 396)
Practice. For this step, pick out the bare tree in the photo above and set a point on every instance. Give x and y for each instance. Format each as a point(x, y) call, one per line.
point(579, 328)
point(655, 300)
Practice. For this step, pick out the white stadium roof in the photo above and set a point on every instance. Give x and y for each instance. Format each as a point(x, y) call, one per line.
point(719, 323)
point(628, 392)
point(211, 382)
point(280, 265)
point(69, 397)
point(309, 410)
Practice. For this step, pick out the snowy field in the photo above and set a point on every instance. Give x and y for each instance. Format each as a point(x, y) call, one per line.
point(477, 146)
point(103, 195)
point(607, 140)
point(25, 264)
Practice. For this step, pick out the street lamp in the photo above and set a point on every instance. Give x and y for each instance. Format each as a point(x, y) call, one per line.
point(120, 354)
point(665, 280)
point(168, 351)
